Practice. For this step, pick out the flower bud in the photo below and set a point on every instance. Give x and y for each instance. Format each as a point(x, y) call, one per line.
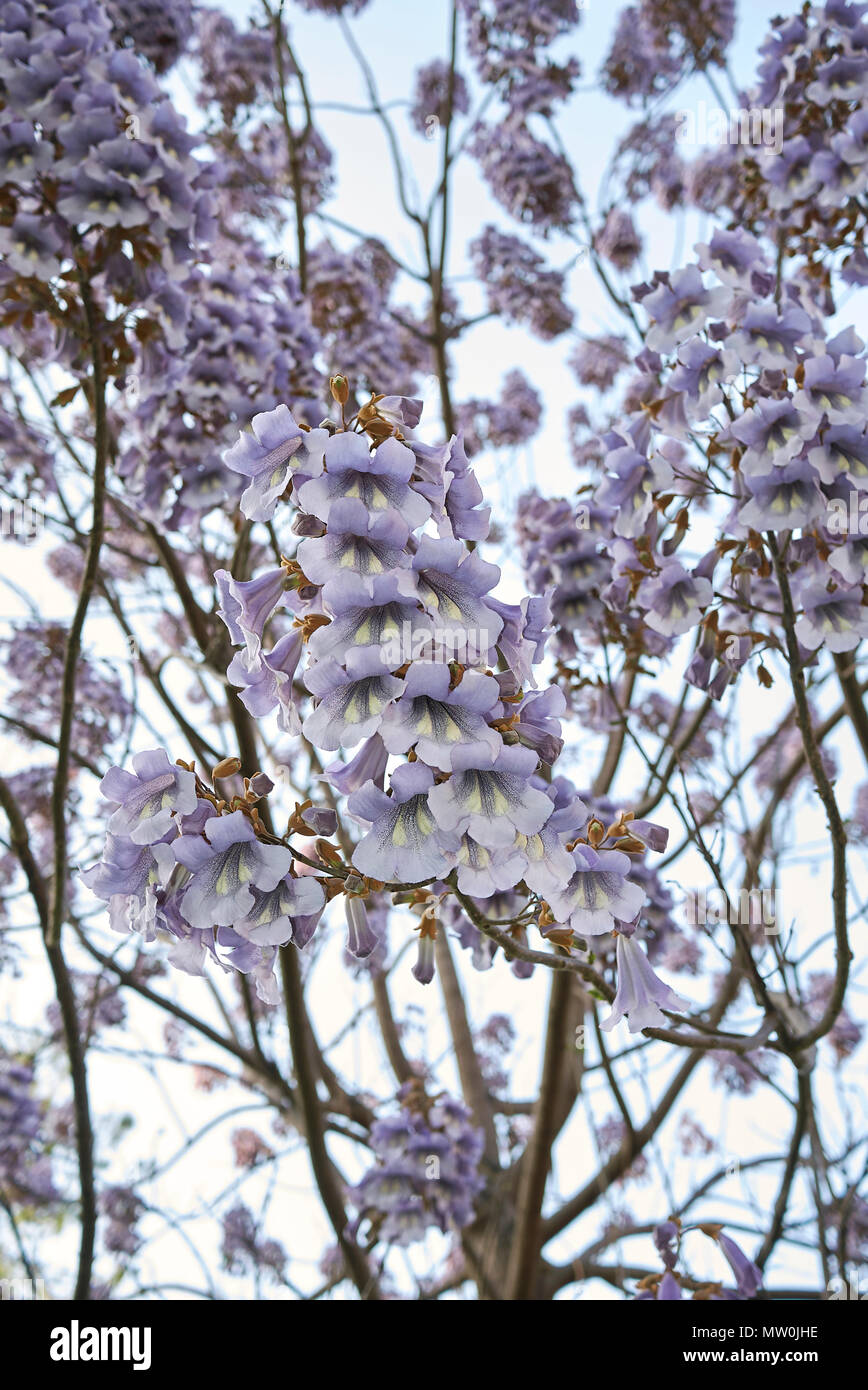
point(227, 767)
point(362, 940)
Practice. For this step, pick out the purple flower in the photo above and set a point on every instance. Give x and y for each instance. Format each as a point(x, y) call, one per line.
point(666, 1240)
point(268, 455)
point(748, 1276)
point(734, 256)
point(404, 412)
point(784, 500)
point(226, 865)
point(773, 432)
point(526, 629)
point(538, 725)
point(351, 701)
point(451, 583)
point(378, 479)
point(598, 893)
point(526, 176)
point(850, 560)
point(357, 544)
point(246, 606)
point(669, 1287)
point(842, 449)
point(630, 485)
point(491, 797)
point(835, 390)
point(271, 920)
point(679, 307)
point(436, 720)
point(32, 247)
point(368, 765)
point(147, 799)
point(674, 599)
point(769, 339)
point(835, 619)
point(701, 373)
point(485, 872)
point(405, 843)
point(127, 877)
point(641, 996)
point(267, 682)
point(424, 965)
point(362, 939)
point(385, 619)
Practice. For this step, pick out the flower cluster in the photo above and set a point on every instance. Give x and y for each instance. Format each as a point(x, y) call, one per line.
point(244, 1249)
point(122, 1208)
point(25, 1166)
point(513, 419)
point(426, 1173)
point(158, 29)
point(33, 660)
point(181, 860)
point(248, 343)
point(385, 616)
point(738, 371)
point(437, 93)
point(807, 192)
point(96, 168)
point(236, 68)
point(530, 179)
point(360, 327)
point(519, 285)
point(508, 41)
point(657, 42)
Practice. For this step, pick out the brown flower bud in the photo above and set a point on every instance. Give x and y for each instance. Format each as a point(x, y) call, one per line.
point(227, 767)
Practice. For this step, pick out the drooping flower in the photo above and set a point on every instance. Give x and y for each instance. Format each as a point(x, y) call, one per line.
point(437, 720)
point(641, 995)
